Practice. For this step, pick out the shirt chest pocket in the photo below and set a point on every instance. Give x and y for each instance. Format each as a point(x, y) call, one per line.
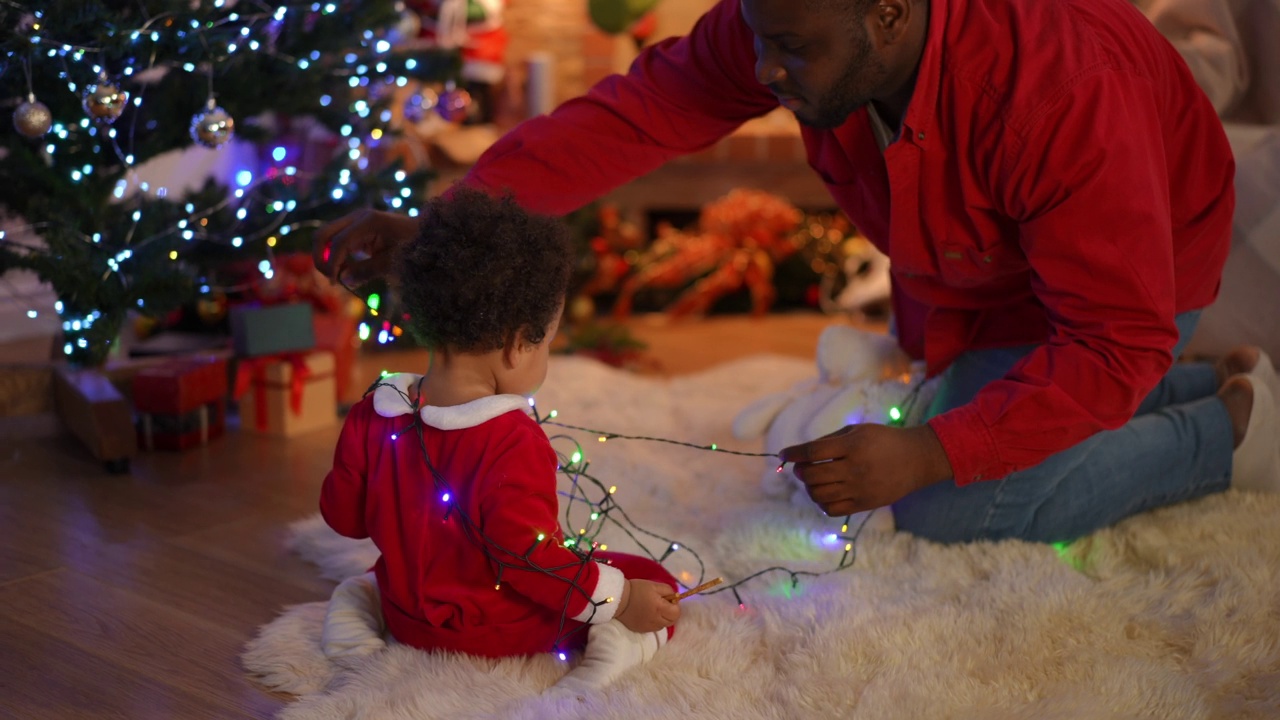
point(961, 264)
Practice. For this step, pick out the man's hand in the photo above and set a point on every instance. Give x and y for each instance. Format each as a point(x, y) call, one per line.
point(359, 247)
point(863, 467)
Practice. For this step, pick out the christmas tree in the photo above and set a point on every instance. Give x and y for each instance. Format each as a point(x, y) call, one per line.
point(99, 87)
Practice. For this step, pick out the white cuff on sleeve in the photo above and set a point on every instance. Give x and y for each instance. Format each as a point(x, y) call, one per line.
point(608, 585)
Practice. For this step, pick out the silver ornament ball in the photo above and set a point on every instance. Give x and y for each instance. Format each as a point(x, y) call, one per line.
point(407, 29)
point(454, 104)
point(417, 105)
point(104, 100)
point(32, 118)
point(212, 127)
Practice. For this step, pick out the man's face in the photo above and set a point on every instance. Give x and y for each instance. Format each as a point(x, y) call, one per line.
point(816, 57)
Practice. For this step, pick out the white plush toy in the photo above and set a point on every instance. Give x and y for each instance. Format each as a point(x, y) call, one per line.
point(862, 376)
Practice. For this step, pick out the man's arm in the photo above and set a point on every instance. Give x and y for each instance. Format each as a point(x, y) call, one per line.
point(680, 96)
point(1092, 197)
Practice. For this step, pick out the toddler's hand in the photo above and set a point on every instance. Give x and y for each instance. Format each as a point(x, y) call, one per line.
point(645, 607)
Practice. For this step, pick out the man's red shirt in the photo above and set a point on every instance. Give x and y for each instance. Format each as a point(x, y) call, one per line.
point(1058, 179)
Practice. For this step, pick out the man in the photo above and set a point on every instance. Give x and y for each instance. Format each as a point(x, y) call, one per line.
point(1055, 194)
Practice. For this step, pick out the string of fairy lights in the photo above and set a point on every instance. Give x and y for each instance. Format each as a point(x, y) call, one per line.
point(261, 214)
point(603, 510)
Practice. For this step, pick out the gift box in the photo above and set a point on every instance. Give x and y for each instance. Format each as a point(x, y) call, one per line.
point(180, 404)
point(181, 432)
point(179, 387)
point(287, 395)
point(336, 332)
point(260, 330)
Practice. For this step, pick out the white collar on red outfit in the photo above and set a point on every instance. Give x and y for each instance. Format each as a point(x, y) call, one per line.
point(391, 399)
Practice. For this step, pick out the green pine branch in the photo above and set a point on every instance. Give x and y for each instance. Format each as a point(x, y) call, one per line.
point(108, 246)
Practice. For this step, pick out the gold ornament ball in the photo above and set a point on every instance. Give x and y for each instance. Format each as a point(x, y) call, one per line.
point(105, 101)
point(32, 118)
point(212, 309)
point(582, 309)
point(145, 326)
point(212, 127)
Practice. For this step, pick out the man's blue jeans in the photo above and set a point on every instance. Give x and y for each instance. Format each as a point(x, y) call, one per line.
point(1177, 447)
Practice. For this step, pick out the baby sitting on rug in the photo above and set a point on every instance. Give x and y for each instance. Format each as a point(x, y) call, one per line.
point(462, 504)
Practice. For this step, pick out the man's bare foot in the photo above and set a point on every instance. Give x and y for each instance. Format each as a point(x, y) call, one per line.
point(1237, 395)
point(1255, 425)
point(1239, 361)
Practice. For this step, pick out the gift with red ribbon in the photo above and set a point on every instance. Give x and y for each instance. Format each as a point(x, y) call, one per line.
point(288, 394)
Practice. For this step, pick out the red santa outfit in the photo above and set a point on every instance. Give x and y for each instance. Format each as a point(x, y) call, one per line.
point(439, 583)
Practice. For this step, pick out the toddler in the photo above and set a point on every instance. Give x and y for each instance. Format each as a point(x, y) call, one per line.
point(461, 500)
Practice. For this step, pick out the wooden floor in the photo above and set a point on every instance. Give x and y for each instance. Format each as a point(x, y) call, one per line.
point(131, 596)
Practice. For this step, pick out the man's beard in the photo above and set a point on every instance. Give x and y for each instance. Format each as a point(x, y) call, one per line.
point(850, 93)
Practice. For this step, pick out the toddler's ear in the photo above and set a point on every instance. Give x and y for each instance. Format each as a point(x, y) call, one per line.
point(517, 349)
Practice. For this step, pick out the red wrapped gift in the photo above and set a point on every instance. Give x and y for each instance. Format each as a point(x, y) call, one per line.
point(336, 332)
point(180, 432)
point(180, 404)
point(180, 386)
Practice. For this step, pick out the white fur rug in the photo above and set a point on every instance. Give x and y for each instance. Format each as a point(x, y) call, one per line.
point(1175, 614)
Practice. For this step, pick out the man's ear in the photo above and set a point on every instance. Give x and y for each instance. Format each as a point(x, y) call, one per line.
point(892, 18)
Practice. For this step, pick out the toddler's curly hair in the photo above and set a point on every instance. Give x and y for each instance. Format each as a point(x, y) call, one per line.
point(481, 270)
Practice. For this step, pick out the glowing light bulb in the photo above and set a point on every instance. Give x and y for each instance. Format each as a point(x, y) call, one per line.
point(613, 489)
point(445, 497)
point(393, 437)
point(553, 413)
point(895, 414)
point(541, 537)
